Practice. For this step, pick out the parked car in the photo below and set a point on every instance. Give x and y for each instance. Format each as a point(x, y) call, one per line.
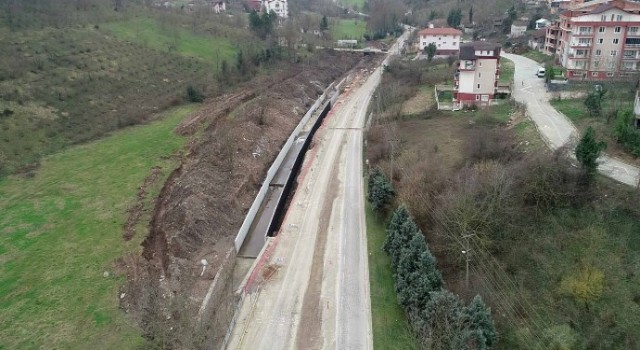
point(540, 72)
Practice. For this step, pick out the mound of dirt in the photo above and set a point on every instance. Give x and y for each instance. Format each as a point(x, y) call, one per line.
point(204, 201)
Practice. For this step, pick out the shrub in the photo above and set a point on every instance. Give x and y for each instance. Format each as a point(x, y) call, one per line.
point(626, 133)
point(588, 151)
point(194, 95)
point(381, 192)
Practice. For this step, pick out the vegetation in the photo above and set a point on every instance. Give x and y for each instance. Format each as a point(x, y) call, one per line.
point(390, 327)
point(380, 192)
point(438, 316)
point(430, 50)
point(626, 133)
point(348, 29)
point(553, 258)
point(262, 25)
point(588, 151)
point(507, 70)
point(62, 230)
point(454, 18)
point(593, 102)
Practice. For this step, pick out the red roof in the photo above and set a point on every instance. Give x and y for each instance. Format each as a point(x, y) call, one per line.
point(440, 31)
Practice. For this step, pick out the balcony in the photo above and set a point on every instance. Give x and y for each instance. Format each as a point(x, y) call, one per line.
point(636, 57)
point(579, 44)
point(633, 33)
point(579, 57)
point(584, 33)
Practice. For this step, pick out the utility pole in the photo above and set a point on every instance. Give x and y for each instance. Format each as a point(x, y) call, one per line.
point(466, 253)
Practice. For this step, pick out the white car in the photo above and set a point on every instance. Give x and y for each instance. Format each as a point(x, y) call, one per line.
point(540, 73)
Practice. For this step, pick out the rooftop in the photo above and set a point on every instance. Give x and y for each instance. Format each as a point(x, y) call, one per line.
point(440, 31)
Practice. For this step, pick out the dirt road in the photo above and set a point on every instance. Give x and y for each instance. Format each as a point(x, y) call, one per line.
point(554, 126)
point(313, 291)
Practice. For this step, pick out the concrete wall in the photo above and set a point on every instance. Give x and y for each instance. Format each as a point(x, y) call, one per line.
point(253, 210)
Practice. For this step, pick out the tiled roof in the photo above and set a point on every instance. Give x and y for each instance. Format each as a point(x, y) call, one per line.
point(440, 31)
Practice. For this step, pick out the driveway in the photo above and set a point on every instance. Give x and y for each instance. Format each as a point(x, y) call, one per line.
point(556, 129)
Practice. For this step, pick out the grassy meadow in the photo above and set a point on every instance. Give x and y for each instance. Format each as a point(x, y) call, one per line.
point(348, 29)
point(62, 229)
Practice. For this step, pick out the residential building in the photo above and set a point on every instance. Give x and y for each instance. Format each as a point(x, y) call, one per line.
point(476, 79)
point(551, 39)
point(217, 5)
point(447, 40)
point(537, 40)
point(518, 28)
point(598, 39)
point(542, 23)
point(280, 7)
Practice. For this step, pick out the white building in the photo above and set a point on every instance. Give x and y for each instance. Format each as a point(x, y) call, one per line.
point(447, 40)
point(518, 28)
point(542, 23)
point(477, 74)
point(280, 7)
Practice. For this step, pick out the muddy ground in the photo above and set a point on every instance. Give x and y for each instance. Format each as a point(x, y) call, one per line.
point(204, 201)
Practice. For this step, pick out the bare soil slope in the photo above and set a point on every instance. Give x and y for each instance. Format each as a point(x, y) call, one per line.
point(203, 203)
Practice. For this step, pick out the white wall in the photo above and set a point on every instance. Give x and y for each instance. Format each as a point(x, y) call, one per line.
point(443, 42)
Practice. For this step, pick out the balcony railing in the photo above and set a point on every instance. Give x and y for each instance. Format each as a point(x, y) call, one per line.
point(577, 44)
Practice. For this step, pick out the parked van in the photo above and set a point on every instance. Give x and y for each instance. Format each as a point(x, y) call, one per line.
point(540, 73)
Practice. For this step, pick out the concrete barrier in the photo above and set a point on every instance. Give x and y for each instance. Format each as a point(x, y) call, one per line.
point(255, 206)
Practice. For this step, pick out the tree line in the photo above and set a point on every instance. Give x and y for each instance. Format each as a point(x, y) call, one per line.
point(438, 317)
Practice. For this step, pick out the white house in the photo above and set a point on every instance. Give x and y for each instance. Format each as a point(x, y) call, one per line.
point(217, 5)
point(280, 7)
point(447, 40)
point(542, 23)
point(518, 28)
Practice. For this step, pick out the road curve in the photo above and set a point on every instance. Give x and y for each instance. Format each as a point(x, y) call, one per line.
point(555, 128)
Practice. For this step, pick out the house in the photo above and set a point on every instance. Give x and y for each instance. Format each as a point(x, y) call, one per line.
point(280, 7)
point(447, 40)
point(542, 23)
point(518, 28)
point(537, 40)
point(217, 5)
point(598, 40)
point(476, 79)
point(636, 109)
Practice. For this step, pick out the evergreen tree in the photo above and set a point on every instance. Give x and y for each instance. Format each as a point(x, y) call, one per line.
point(480, 324)
point(416, 275)
point(397, 236)
point(588, 151)
point(430, 50)
point(324, 24)
point(442, 322)
point(454, 18)
point(381, 192)
point(471, 15)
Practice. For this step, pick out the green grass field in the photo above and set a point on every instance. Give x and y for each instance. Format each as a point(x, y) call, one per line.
point(62, 230)
point(348, 29)
point(150, 32)
point(538, 56)
point(356, 4)
point(390, 327)
point(507, 69)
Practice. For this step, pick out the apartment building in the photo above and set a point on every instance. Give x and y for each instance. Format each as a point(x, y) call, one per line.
point(476, 79)
point(447, 40)
point(597, 40)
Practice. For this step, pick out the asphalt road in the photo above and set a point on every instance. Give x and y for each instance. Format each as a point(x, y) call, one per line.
point(318, 296)
point(555, 128)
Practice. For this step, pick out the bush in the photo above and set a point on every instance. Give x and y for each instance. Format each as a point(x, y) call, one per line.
point(194, 95)
point(626, 133)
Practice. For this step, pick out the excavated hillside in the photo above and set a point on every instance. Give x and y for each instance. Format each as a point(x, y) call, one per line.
point(203, 202)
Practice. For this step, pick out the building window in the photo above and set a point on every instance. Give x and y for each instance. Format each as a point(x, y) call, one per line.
point(614, 52)
point(478, 86)
point(598, 52)
point(601, 29)
point(479, 63)
point(633, 30)
point(600, 41)
point(610, 65)
point(629, 54)
point(610, 74)
point(615, 41)
point(479, 75)
point(477, 97)
point(619, 18)
point(594, 74)
point(603, 18)
point(485, 98)
point(617, 29)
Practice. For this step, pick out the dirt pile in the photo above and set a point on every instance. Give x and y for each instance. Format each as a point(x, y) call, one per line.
point(203, 203)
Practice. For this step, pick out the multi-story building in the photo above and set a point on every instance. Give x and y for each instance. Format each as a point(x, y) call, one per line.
point(597, 39)
point(280, 7)
point(447, 40)
point(476, 79)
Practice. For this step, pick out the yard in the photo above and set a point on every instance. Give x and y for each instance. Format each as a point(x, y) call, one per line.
point(348, 29)
point(616, 99)
point(62, 230)
point(507, 69)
